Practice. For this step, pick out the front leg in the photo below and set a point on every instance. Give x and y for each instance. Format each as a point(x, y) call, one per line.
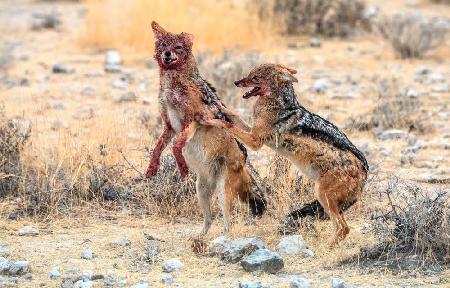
point(233, 116)
point(251, 139)
point(161, 144)
point(180, 142)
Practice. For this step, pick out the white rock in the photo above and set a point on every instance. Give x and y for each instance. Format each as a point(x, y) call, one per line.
point(121, 242)
point(299, 282)
point(172, 265)
point(337, 282)
point(216, 246)
point(320, 85)
point(28, 231)
point(54, 273)
point(113, 57)
point(293, 244)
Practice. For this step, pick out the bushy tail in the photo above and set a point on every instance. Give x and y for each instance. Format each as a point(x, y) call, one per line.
point(256, 199)
point(315, 209)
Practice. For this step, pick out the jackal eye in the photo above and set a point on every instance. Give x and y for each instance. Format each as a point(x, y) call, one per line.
point(255, 79)
point(178, 47)
point(163, 44)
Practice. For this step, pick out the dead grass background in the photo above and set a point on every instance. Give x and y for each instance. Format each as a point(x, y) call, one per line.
point(217, 25)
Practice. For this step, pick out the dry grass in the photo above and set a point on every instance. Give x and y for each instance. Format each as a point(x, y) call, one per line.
point(412, 35)
point(215, 24)
point(326, 17)
point(393, 108)
point(414, 230)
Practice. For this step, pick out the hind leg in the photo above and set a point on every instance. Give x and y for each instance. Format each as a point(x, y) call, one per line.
point(330, 192)
point(224, 193)
point(204, 193)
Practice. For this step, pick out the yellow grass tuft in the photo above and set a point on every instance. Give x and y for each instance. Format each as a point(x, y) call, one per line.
point(216, 25)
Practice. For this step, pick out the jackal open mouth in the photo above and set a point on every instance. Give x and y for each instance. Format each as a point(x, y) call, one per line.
point(254, 92)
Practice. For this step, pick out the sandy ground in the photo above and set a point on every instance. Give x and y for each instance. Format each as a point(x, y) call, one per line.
point(61, 241)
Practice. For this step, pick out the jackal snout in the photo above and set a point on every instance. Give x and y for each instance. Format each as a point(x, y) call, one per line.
point(171, 50)
point(266, 78)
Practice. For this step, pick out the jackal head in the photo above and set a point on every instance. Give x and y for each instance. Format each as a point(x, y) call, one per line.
point(172, 51)
point(267, 78)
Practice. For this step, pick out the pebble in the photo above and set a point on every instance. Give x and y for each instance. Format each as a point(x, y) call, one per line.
point(121, 242)
point(172, 265)
point(263, 260)
point(28, 231)
point(54, 273)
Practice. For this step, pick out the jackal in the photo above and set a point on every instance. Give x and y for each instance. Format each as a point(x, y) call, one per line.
point(317, 147)
point(218, 160)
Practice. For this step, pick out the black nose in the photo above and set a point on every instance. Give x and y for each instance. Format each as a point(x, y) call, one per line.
point(167, 54)
point(237, 82)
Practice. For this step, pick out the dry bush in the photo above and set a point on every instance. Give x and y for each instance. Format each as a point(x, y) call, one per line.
point(393, 108)
point(441, 1)
point(215, 24)
point(222, 70)
point(412, 35)
point(13, 135)
point(326, 17)
point(414, 229)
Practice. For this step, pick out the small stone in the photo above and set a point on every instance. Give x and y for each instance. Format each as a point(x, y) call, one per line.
point(113, 61)
point(172, 265)
point(54, 273)
point(167, 279)
point(392, 134)
point(140, 285)
point(127, 97)
point(441, 88)
point(119, 84)
point(217, 245)
point(250, 284)
point(4, 251)
point(110, 280)
point(86, 275)
point(121, 242)
point(59, 124)
point(293, 244)
point(83, 284)
point(28, 231)
point(236, 249)
point(315, 42)
point(299, 282)
point(19, 268)
point(4, 265)
point(146, 268)
point(61, 69)
point(423, 70)
point(263, 260)
point(113, 57)
point(88, 91)
point(28, 276)
point(320, 85)
point(337, 282)
point(87, 254)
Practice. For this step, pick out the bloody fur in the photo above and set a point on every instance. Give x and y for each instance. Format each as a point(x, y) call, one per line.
point(186, 101)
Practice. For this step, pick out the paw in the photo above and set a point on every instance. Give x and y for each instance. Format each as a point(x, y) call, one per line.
point(152, 170)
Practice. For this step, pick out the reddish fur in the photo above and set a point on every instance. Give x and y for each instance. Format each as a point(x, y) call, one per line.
point(188, 99)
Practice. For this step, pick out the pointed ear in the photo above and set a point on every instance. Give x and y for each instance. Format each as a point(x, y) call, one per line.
point(284, 76)
point(188, 37)
point(158, 30)
point(291, 70)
